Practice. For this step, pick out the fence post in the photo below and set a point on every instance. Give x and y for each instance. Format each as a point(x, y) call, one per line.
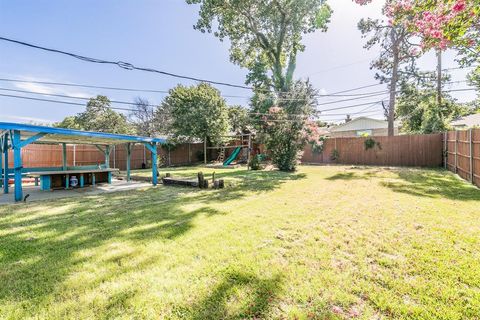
point(456, 151)
point(445, 149)
point(471, 156)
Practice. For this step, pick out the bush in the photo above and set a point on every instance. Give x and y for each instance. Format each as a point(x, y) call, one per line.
point(255, 162)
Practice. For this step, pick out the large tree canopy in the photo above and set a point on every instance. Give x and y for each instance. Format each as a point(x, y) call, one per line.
point(265, 35)
point(98, 116)
point(197, 112)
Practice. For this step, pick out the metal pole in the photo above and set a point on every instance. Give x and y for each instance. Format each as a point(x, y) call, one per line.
point(5, 161)
point(154, 164)
point(439, 77)
point(17, 159)
point(107, 156)
point(129, 152)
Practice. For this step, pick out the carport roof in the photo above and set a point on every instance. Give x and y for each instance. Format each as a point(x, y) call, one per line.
point(51, 135)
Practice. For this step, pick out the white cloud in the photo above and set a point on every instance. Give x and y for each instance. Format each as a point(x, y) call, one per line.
point(322, 91)
point(48, 89)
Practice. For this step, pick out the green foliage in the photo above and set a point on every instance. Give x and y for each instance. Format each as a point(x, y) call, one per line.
point(255, 162)
point(98, 117)
point(335, 155)
point(370, 143)
point(197, 112)
point(317, 146)
point(418, 109)
point(285, 133)
point(265, 36)
point(239, 119)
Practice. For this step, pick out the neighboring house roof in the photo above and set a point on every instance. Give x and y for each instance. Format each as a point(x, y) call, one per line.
point(467, 121)
point(361, 123)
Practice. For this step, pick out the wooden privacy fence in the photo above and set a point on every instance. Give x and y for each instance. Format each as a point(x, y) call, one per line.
point(423, 150)
point(39, 155)
point(462, 154)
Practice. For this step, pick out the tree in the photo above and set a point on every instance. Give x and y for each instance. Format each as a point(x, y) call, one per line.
point(265, 35)
point(143, 118)
point(287, 125)
point(420, 113)
point(197, 112)
point(239, 119)
point(98, 116)
point(397, 51)
point(441, 24)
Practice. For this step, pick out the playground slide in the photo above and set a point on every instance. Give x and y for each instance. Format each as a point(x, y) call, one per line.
point(233, 156)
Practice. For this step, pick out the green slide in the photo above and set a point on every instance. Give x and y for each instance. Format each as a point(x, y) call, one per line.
point(233, 156)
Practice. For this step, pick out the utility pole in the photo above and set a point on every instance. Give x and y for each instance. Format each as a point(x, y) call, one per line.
point(439, 78)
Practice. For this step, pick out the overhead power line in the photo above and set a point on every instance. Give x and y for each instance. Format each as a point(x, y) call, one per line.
point(71, 97)
point(57, 101)
point(124, 65)
point(160, 91)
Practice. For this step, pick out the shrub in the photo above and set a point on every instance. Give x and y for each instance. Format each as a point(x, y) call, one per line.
point(255, 162)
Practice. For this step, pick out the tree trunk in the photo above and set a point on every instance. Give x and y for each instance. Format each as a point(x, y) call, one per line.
point(393, 89)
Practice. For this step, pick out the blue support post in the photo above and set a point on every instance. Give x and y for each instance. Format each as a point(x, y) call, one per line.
point(93, 179)
point(5, 162)
point(154, 164)
point(67, 181)
point(129, 154)
point(17, 159)
point(109, 177)
point(1, 166)
point(82, 180)
point(45, 182)
point(64, 156)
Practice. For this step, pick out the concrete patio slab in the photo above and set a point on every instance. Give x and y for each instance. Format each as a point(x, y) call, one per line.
point(35, 194)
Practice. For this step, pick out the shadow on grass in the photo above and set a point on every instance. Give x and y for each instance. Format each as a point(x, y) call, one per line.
point(352, 176)
point(239, 295)
point(39, 247)
point(433, 184)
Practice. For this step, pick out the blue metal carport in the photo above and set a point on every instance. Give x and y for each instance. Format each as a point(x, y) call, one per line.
point(16, 136)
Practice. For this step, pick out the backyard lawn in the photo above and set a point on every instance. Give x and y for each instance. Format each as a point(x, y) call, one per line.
point(323, 243)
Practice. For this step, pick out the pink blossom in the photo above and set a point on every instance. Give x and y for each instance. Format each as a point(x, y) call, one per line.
point(274, 109)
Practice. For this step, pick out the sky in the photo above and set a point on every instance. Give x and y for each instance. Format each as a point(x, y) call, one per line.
point(160, 35)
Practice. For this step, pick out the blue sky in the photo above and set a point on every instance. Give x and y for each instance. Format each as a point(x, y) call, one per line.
point(159, 34)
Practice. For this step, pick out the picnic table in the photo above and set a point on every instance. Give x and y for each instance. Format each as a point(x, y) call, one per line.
point(60, 179)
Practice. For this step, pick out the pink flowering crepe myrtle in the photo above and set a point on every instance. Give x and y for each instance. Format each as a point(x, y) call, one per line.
point(434, 24)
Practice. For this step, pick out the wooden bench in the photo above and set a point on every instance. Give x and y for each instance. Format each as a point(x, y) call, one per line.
point(60, 179)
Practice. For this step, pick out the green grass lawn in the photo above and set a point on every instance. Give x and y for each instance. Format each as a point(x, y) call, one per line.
point(322, 243)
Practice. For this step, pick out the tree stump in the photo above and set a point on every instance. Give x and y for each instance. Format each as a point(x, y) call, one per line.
point(201, 180)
